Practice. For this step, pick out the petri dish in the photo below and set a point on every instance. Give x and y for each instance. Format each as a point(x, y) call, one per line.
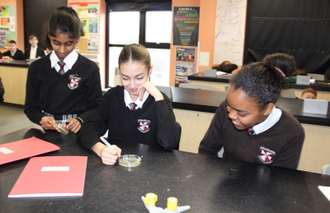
point(61, 129)
point(129, 160)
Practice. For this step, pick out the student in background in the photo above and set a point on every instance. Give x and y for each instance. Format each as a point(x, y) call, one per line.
point(299, 72)
point(308, 93)
point(228, 67)
point(13, 52)
point(64, 86)
point(248, 125)
point(33, 52)
point(48, 51)
point(136, 112)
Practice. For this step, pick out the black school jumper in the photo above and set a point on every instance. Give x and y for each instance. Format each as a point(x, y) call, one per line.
point(19, 55)
point(153, 124)
point(75, 92)
point(280, 145)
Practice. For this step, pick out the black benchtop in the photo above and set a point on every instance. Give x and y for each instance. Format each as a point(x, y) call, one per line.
point(207, 184)
point(200, 76)
point(208, 101)
point(15, 63)
point(319, 85)
point(196, 99)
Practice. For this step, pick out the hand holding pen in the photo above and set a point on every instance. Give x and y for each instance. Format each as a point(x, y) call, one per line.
point(107, 152)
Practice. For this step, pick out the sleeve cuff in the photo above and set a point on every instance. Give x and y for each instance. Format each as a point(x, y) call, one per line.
point(81, 121)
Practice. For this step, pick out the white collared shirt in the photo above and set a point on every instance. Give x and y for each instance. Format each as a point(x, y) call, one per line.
point(69, 61)
point(138, 102)
point(13, 53)
point(33, 52)
point(270, 121)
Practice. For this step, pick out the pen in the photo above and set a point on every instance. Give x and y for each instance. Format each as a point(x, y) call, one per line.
point(106, 142)
point(323, 83)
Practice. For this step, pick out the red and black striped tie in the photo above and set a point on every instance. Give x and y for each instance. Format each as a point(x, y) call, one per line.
point(132, 106)
point(250, 130)
point(61, 64)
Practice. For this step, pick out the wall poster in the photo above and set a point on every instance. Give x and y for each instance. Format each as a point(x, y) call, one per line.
point(88, 13)
point(185, 64)
point(184, 69)
point(229, 31)
point(185, 26)
point(7, 25)
point(185, 54)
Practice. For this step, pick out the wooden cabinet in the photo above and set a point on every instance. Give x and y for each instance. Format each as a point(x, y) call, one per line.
point(315, 151)
point(194, 125)
point(14, 82)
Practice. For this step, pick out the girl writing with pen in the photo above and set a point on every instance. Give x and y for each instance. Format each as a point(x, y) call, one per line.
point(248, 125)
point(134, 112)
point(63, 86)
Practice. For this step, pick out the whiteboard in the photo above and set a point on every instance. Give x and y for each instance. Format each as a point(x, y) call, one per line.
point(230, 31)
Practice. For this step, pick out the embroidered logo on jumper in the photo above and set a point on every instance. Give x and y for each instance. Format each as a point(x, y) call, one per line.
point(144, 125)
point(74, 82)
point(266, 155)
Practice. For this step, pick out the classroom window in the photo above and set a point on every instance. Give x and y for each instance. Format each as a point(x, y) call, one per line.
point(124, 27)
point(158, 27)
point(151, 29)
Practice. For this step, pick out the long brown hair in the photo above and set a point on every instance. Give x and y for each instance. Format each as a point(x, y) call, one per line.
point(135, 52)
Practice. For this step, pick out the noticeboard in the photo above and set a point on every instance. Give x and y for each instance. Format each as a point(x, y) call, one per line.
point(88, 13)
point(7, 25)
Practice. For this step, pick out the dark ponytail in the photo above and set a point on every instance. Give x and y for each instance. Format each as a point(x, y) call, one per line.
point(263, 81)
point(64, 20)
point(283, 65)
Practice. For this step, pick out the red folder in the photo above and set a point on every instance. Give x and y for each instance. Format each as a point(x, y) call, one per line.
point(26, 148)
point(51, 176)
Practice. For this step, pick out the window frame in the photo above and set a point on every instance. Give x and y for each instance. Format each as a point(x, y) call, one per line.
point(142, 38)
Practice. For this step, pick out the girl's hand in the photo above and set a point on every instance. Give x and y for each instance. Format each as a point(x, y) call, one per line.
point(151, 89)
point(47, 123)
point(108, 155)
point(73, 125)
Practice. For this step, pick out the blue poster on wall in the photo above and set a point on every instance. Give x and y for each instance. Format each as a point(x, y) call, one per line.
point(185, 26)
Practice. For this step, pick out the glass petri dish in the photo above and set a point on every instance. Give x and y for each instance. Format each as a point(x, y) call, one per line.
point(129, 160)
point(61, 129)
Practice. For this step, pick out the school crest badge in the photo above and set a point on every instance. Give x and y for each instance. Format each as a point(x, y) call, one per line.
point(144, 125)
point(74, 82)
point(266, 155)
